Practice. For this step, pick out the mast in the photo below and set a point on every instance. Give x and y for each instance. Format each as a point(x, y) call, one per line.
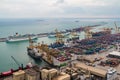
point(116, 28)
point(30, 42)
point(15, 61)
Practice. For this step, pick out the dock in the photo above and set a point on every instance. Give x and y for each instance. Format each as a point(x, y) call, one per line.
point(39, 36)
point(79, 29)
point(3, 39)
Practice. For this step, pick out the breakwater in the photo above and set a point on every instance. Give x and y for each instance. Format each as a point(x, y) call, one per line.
point(68, 30)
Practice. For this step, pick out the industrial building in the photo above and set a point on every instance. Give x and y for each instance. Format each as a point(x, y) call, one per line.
point(48, 73)
point(62, 76)
point(101, 74)
point(114, 54)
point(20, 75)
point(31, 74)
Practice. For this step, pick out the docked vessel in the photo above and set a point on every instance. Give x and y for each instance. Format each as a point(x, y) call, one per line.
point(18, 37)
point(54, 36)
point(73, 37)
point(56, 45)
point(51, 36)
point(34, 53)
point(58, 33)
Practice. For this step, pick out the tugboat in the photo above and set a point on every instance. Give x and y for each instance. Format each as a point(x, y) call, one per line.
point(18, 37)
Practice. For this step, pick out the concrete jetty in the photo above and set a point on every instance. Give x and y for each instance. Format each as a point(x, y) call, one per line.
point(3, 39)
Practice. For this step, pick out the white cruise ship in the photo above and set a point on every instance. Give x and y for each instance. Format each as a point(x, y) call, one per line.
point(18, 37)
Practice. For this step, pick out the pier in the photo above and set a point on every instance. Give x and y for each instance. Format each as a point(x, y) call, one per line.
point(3, 39)
point(39, 36)
point(67, 30)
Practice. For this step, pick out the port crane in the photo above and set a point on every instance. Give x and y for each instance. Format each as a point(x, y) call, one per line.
point(16, 62)
point(31, 43)
point(107, 29)
point(88, 33)
point(74, 34)
point(116, 28)
point(59, 37)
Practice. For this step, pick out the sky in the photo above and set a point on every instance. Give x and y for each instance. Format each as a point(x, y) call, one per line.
point(60, 8)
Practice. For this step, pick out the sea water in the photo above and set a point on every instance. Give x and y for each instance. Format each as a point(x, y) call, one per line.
point(18, 50)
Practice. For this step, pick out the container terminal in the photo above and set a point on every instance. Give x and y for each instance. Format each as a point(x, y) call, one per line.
point(96, 57)
point(39, 35)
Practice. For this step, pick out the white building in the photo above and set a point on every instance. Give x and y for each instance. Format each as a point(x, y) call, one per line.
point(19, 75)
point(118, 47)
point(111, 74)
point(58, 63)
point(114, 54)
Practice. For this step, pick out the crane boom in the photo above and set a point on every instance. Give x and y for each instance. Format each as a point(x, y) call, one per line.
point(116, 28)
point(115, 25)
point(15, 61)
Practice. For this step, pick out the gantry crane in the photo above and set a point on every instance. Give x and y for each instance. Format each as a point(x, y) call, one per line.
point(107, 30)
point(30, 43)
point(88, 33)
point(20, 66)
point(74, 34)
point(59, 37)
point(116, 28)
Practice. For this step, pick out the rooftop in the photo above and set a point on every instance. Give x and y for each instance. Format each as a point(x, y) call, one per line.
point(31, 72)
point(115, 53)
point(19, 72)
point(62, 76)
point(93, 70)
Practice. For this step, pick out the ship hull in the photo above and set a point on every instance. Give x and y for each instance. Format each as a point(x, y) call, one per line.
point(19, 40)
point(32, 54)
point(51, 36)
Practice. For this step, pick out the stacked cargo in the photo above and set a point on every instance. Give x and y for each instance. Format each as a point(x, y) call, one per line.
point(110, 62)
point(56, 57)
point(93, 45)
point(56, 45)
point(61, 59)
point(101, 33)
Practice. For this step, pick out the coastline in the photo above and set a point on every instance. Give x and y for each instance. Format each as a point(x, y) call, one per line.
point(67, 30)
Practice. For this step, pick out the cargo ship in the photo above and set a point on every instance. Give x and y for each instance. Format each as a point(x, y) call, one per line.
point(51, 36)
point(53, 57)
point(17, 37)
point(101, 33)
point(56, 45)
point(11, 71)
point(34, 53)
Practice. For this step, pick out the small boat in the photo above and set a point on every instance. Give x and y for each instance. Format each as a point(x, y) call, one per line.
point(17, 37)
point(51, 36)
point(54, 35)
point(34, 53)
point(7, 73)
point(76, 21)
point(66, 34)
